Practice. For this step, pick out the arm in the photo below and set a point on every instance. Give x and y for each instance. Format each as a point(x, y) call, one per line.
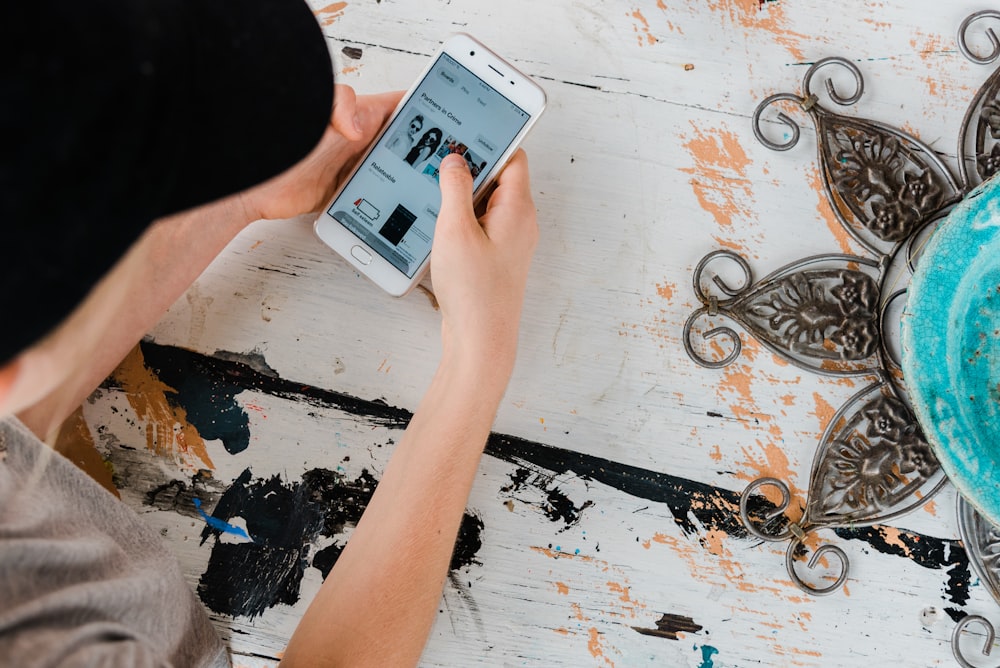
point(378, 603)
point(70, 363)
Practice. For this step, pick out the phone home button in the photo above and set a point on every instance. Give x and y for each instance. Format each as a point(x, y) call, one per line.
point(361, 255)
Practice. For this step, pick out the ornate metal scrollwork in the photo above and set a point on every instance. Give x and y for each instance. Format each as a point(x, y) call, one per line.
point(832, 315)
point(881, 181)
point(820, 313)
point(872, 464)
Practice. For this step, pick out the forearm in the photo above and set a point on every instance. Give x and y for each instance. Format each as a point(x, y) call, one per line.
point(379, 601)
point(130, 300)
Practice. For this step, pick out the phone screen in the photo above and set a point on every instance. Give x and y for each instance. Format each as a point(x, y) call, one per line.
point(391, 203)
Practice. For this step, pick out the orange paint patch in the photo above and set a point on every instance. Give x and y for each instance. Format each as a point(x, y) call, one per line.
point(767, 17)
point(562, 588)
point(713, 542)
point(641, 28)
point(168, 432)
point(330, 13)
point(892, 537)
point(75, 443)
point(824, 410)
point(825, 209)
point(736, 246)
point(720, 181)
point(595, 648)
point(629, 607)
point(666, 290)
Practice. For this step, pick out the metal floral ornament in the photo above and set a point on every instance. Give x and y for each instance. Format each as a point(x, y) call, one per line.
point(835, 314)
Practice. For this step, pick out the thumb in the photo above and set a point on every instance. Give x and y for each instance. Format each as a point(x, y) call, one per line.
point(456, 190)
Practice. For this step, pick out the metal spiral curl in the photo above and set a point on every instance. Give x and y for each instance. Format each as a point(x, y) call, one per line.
point(731, 334)
point(957, 633)
point(711, 308)
point(807, 102)
point(786, 498)
point(994, 40)
point(845, 565)
point(859, 81)
point(699, 272)
point(796, 534)
point(759, 133)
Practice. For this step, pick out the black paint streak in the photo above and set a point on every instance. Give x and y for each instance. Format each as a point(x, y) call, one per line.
point(691, 503)
point(352, 52)
point(556, 505)
point(326, 558)
point(694, 505)
point(559, 507)
point(956, 614)
point(470, 539)
point(668, 626)
point(929, 553)
point(176, 363)
point(714, 414)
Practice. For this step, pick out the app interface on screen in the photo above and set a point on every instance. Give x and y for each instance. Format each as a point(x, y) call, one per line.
point(393, 200)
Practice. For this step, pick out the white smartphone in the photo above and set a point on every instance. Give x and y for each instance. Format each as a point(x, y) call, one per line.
point(469, 101)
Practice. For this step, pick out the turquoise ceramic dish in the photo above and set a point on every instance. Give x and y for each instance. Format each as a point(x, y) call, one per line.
point(951, 346)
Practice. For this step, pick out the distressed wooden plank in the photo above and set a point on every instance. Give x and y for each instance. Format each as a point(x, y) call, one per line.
point(644, 163)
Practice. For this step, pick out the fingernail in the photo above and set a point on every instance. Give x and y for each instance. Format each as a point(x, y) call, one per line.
point(453, 161)
point(357, 124)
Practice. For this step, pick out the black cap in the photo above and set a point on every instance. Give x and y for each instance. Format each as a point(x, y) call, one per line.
point(116, 112)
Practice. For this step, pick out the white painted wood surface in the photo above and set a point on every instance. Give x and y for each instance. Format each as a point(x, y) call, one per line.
point(644, 162)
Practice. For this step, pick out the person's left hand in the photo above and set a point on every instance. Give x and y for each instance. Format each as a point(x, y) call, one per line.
point(307, 186)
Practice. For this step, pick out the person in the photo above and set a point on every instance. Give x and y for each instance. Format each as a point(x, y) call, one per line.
point(402, 140)
point(112, 206)
point(424, 148)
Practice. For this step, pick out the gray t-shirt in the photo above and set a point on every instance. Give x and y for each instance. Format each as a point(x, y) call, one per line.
point(83, 580)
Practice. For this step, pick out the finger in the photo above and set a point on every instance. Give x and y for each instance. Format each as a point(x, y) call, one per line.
point(515, 177)
point(511, 201)
point(345, 113)
point(456, 192)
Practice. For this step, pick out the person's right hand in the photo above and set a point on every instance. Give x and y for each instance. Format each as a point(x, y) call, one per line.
point(479, 268)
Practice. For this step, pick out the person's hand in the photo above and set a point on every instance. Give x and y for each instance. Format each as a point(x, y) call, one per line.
point(310, 184)
point(479, 268)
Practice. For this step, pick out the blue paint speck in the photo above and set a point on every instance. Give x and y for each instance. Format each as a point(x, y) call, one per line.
point(707, 652)
point(218, 524)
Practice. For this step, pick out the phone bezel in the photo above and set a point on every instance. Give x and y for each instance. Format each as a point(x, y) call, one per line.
point(487, 65)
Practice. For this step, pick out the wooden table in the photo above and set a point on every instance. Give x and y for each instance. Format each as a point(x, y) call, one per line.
point(604, 527)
